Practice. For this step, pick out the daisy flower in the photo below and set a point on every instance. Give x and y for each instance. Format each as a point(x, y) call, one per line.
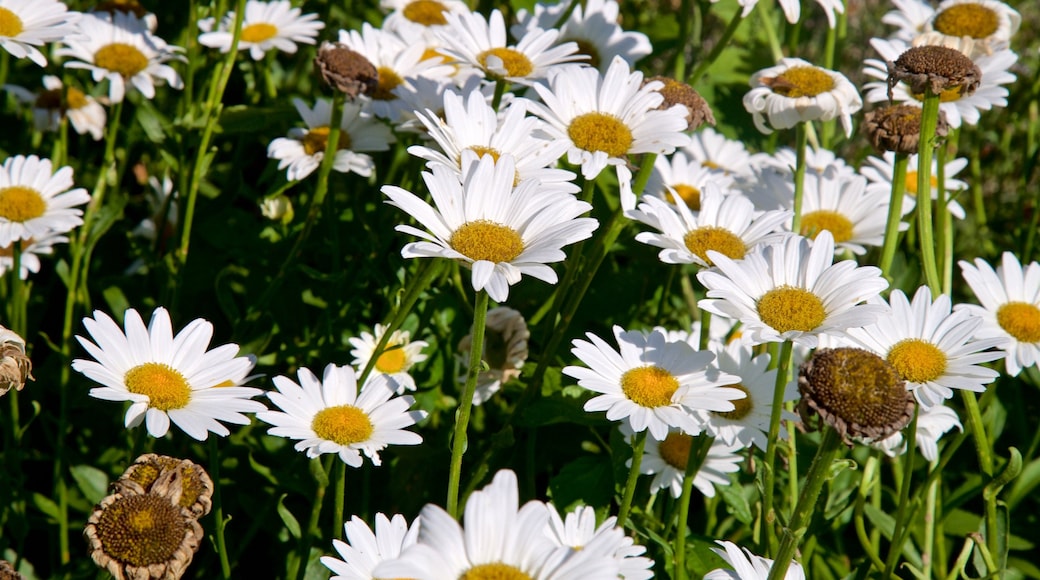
point(364, 550)
point(32, 249)
point(990, 23)
point(499, 231)
point(1010, 298)
point(57, 102)
point(160, 197)
point(166, 377)
point(418, 18)
point(746, 566)
point(505, 351)
point(932, 424)
point(910, 17)
point(795, 91)
point(26, 24)
point(580, 532)
point(666, 461)
point(651, 383)
point(400, 354)
point(854, 215)
point(818, 161)
point(265, 26)
point(498, 539)
point(36, 202)
point(718, 153)
point(681, 177)
point(934, 348)
point(725, 223)
point(880, 170)
point(792, 291)
point(302, 151)
point(329, 415)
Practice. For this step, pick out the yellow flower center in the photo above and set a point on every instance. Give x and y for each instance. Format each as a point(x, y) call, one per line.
point(121, 58)
point(141, 529)
point(482, 151)
point(515, 62)
point(801, 81)
point(1021, 320)
point(742, 406)
point(10, 23)
point(911, 182)
point(494, 571)
point(317, 139)
point(948, 95)
point(388, 81)
point(393, 360)
point(675, 450)
point(600, 132)
point(710, 164)
point(588, 49)
point(486, 240)
point(258, 32)
point(75, 99)
point(917, 360)
point(723, 241)
point(974, 20)
point(344, 424)
point(426, 12)
point(649, 386)
point(838, 225)
point(21, 204)
point(164, 386)
point(788, 308)
point(688, 193)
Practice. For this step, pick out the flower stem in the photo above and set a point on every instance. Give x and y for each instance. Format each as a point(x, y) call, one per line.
point(782, 371)
point(218, 508)
point(929, 120)
point(984, 451)
point(697, 454)
point(716, 50)
point(638, 446)
point(801, 144)
point(866, 482)
point(321, 478)
point(944, 225)
point(458, 448)
point(339, 480)
point(895, 213)
point(900, 529)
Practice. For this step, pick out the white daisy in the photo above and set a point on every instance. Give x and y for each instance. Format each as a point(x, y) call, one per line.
point(505, 351)
point(499, 231)
point(932, 424)
point(910, 17)
point(1010, 298)
point(56, 102)
point(120, 48)
point(795, 91)
point(580, 532)
point(36, 202)
point(302, 151)
point(853, 214)
point(990, 23)
point(163, 212)
point(725, 223)
point(364, 550)
point(26, 24)
point(265, 26)
point(679, 176)
point(818, 161)
point(666, 460)
point(31, 251)
point(880, 171)
point(651, 383)
point(792, 291)
point(400, 354)
point(746, 566)
point(715, 151)
point(329, 415)
point(418, 18)
point(166, 377)
point(498, 539)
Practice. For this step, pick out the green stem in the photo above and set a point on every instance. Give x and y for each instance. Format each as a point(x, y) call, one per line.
point(899, 532)
point(929, 119)
point(716, 50)
point(801, 144)
point(985, 454)
point(218, 507)
point(17, 313)
point(697, 454)
point(638, 446)
point(895, 214)
point(321, 479)
point(783, 369)
point(944, 223)
point(928, 545)
point(866, 482)
point(500, 89)
point(339, 479)
point(458, 448)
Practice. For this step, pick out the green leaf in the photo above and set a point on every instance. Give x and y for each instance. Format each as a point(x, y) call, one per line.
point(587, 479)
point(91, 481)
point(288, 519)
point(736, 503)
point(1025, 484)
point(880, 520)
point(116, 300)
point(263, 471)
point(47, 506)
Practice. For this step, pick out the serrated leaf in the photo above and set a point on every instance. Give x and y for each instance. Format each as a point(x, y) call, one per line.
point(91, 481)
point(288, 518)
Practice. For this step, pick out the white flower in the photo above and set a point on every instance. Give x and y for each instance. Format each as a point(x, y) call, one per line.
point(680, 176)
point(818, 161)
point(910, 16)
point(932, 424)
point(747, 566)
point(400, 354)
point(853, 214)
point(879, 171)
point(265, 26)
point(55, 102)
point(651, 383)
point(168, 378)
point(593, 25)
point(666, 460)
point(413, 19)
point(329, 415)
point(26, 24)
point(718, 153)
point(792, 291)
point(119, 47)
point(163, 210)
point(364, 550)
point(793, 9)
point(1010, 298)
point(795, 91)
point(579, 532)
point(34, 203)
point(31, 250)
point(505, 351)
point(989, 22)
point(501, 232)
point(302, 151)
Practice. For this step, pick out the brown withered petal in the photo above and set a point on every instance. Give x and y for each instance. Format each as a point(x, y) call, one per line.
point(15, 366)
point(346, 70)
point(856, 392)
point(153, 473)
point(897, 128)
point(674, 92)
point(936, 69)
point(7, 571)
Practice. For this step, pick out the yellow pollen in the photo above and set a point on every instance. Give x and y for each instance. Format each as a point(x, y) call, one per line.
point(917, 360)
point(393, 360)
point(495, 571)
point(600, 132)
point(317, 139)
point(345, 424)
point(141, 529)
point(723, 241)
point(588, 49)
point(10, 23)
point(710, 164)
point(75, 99)
point(970, 19)
point(164, 386)
point(911, 182)
point(482, 151)
point(649, 386)
point(688, 193)
point(21, 204)
point(948, 95)
point(788, 308)
point(259, 32)
point(1021, 320)
point(388, 81)
point(515, 62)
point(675, 450)
point(801, 81)
point(486, 240)
point(121, 58)
point(426, 12)
point(742, 406)
point(431, 53)
point(838, 225)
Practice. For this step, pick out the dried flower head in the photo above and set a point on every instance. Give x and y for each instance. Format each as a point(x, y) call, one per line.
point(676, 92)
point(7, 571)
point(856, 392)
point(939, 69)
point(505, 351)
point(153, 473)
point(15, 367)
point(346, 70)
point(898, 128)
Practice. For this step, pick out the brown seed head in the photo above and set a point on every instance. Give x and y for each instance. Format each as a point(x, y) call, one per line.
point(7, 571)
point(153, 473)
point(936, 69)
point(674, 92)
point(898, 128)
point(15, 366)
point(346, 70)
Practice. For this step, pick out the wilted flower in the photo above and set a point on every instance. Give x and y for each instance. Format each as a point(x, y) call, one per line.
point(15, 367)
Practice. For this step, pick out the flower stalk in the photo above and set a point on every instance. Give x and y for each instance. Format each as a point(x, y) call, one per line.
point(458, 448)
point(638, 447)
